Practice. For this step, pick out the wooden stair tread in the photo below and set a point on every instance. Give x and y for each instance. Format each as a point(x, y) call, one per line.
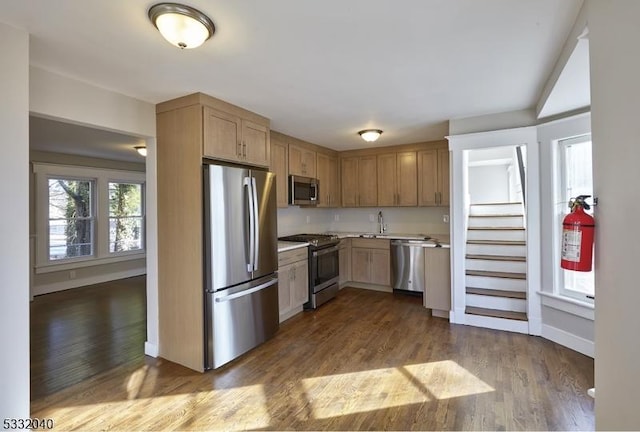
point(496, 228)
point(496, 204)
point(499, 242)
point(495, 313)
point(497, 293)
point(497, 257)
point(505, 275)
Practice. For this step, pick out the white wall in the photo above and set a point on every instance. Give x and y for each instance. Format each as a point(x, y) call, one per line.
point(615, 92)
point(488, 184)
point(14, 258)
point(412, 220)
point(59, 97)
point(492, 122)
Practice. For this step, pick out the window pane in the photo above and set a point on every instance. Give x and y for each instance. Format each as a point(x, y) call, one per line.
point(577, 179)
point(70, 218)
point(126, 227)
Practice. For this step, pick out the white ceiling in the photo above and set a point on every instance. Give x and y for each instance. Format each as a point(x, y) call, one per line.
point(320, 70)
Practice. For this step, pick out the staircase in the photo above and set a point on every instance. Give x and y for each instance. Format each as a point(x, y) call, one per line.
point(496, 266)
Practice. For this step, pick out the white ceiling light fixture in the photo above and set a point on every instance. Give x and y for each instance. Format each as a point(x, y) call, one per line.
point(142, 150)
point(183, 26)
point(370, 135)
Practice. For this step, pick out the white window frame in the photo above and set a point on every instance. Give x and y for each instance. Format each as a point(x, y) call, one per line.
point(101, 176)
point(143, 214)
point(562, 210)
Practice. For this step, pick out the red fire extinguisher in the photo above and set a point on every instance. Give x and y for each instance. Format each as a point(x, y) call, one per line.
point(577, 236)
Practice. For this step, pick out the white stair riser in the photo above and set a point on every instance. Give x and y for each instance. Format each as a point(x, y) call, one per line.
point(496, 283)
point(519, 235)
point(502, 250)
point(496, 209)
point(498, 303)
point(498, 266)
point(497, 323)
point(497, 221)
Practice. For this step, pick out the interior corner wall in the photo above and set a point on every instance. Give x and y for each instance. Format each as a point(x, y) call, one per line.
point(613, 41)
point(14, 260)
point(63, 98)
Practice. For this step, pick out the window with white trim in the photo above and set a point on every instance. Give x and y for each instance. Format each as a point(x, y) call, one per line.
point(87, 216)
point(126, 220)
point(575, 178)
point(71, 218)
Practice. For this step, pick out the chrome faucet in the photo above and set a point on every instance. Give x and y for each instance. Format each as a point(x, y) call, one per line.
point(382, 228)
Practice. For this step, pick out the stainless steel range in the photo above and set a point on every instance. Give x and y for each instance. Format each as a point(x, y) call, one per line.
point(324, 270)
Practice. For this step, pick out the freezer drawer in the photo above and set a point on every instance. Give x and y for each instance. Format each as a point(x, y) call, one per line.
point(239, 319)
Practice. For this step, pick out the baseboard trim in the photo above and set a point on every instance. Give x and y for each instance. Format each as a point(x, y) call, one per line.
point(569, 340)
point(440, 313)
point(151, 349)
point(293, 312)
point(371, 287)
point(75, 283)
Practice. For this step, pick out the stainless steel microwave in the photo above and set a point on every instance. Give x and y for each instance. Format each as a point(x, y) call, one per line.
point(303, 190)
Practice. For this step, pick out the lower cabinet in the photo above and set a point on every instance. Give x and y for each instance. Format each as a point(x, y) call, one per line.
point(437, 290)
point(370, 261)
point(293, 282)
point(344, 256)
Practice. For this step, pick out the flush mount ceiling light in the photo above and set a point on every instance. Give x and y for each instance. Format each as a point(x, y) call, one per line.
point(182, 26)
point(370, 135)
point(142, 150)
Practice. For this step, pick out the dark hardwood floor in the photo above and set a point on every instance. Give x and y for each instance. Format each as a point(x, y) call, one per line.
point(78, 333)
point(366, 360)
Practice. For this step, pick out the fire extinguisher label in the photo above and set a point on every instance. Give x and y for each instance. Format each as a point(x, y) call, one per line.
point(571, 241)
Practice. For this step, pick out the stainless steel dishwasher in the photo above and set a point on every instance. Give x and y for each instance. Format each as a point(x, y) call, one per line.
point(407, 264)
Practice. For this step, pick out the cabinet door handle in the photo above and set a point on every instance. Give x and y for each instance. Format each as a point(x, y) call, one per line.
point(239, 149)
point(244, 149)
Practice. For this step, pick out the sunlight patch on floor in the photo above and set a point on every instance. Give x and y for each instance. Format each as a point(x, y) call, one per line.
point(238, 408)
point(390, 387)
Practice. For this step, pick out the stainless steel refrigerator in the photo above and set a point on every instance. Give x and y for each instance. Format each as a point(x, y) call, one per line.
point(241, 261)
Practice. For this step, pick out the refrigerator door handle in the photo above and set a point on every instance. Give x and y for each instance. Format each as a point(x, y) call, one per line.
point(252, 236)
point(247, 292)
point(256, 224)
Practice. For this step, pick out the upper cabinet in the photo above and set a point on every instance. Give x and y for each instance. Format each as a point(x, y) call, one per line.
point(328, 176)
point(230, 137)
point(279, 157)
point(433, 177)
point(397, 179)
point(359, 181)
point(302, 161)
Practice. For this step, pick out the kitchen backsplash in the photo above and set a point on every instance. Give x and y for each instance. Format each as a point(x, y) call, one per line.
point(414, 220)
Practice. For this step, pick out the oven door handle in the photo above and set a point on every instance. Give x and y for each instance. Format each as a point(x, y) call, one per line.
point(325, 251)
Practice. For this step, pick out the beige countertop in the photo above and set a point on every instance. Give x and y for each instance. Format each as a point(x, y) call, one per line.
point(442, 239)
point(285, 245)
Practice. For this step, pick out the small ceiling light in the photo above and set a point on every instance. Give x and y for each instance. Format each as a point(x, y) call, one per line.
point(182, 26)
point(142, 150)
point(370, 135)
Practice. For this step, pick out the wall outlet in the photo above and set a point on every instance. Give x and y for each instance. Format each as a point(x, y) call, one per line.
point(72, 274)
point(308, 219)
point(372, 218)
point(445, 218)
point(336, 217)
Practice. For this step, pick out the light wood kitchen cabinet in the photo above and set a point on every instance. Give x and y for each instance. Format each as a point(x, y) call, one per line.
point(229, 137)
point(279, 155)
point(370, 261)
point(344, 257)
point(328, 174)
point(293, 282)
point(397, 179)
point(302, 161)
point(437, 277)
point(359, 181)
point(189, 129)
point(433, 177)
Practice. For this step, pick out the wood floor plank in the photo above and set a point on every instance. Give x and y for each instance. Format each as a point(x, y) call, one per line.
point(366, 360)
